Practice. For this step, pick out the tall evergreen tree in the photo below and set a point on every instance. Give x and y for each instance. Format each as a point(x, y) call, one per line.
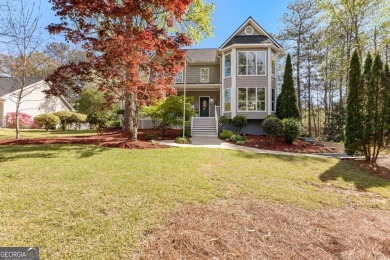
point(286, 105)
point(354, 124)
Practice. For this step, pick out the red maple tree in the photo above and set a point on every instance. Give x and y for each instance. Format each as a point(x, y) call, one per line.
point(132, 54)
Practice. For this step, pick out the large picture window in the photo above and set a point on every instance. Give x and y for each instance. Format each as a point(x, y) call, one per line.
point(251, 99)
point(251, 63)
point(227, 100)
point(228, 65)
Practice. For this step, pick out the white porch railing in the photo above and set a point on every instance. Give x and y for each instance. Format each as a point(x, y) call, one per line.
point(217, 113)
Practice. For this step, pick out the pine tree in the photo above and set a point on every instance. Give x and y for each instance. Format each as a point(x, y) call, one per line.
point(355, 99)
point(286, 105)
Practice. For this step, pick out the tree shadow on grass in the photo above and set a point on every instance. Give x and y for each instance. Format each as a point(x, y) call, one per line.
point(281, 157)
point(362, 179)
point(16, 152)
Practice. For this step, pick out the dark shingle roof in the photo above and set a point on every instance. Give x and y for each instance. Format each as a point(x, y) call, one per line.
point(247, 39)
point(202, 55)
point(9, 85)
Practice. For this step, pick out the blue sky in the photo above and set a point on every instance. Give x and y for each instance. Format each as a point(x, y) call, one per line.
point(227, 17)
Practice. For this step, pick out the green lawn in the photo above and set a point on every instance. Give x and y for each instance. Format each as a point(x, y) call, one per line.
point(32, 133)
point(91, 202)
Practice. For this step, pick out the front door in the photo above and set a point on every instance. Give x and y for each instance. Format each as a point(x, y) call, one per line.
point(204, 106)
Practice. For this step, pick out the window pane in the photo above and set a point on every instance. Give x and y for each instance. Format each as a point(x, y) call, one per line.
point(179, 77)
point(251, 63)
point(261, 99)
point(242, 58)
point(241, 99)
point(241, 70)
point(227, 106)
point(227, 98)
point(261, 63)
point(273, 64)
point(251, 99)
point(273, 99)
point(228, 64)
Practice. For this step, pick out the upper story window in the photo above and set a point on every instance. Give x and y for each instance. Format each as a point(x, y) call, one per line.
point(273, 59)
point(228, 65)
point(204, 75)
point(251, 63)
point(179, 77)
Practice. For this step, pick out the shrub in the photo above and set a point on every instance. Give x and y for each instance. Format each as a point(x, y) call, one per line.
point(181, 140)
point(239, 122)
point(222, 120)
point(151, 136)
point(273, 126)
point(226, 134)
point(291, 129)
point(99, 120)
point(240, 142)
point(77, 119)
point(25, 120)
point(187, 132)
point(46, 121)
point(237, 138)
point(65, 118)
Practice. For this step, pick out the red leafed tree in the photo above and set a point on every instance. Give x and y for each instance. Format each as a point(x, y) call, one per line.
point(131, 50)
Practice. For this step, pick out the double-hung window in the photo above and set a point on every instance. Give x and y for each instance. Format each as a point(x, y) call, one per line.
point(179, 77)
point(228, 65)
point(227, 99)
point(251, 63)
point(204, 75)
point(251, 99)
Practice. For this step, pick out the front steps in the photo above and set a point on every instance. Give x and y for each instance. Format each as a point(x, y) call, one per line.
point(204, 126)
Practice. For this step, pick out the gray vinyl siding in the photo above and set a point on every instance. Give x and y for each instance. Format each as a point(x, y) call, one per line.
point(227, 82)
point(253, 115)
point(252, 81)
point(193, 74)
point(228, 115)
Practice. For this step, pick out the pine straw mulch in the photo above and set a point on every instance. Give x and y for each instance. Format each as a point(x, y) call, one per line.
point(248, 229)
point(298, 146)
point(111, 138)
point(380, 169)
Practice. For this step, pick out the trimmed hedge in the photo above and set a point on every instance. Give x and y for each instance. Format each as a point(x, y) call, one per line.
point(47, 121)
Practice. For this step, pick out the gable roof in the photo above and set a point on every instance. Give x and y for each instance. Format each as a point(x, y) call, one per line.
point(202, 56)
point(250, 38)
point(9, 85)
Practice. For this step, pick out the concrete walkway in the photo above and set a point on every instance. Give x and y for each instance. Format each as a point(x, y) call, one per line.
point(214, 142)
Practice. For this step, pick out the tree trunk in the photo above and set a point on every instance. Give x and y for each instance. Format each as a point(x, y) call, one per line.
point(298, 76)
point(17, 128)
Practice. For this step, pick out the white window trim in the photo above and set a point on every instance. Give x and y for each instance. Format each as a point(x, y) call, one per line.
point(182, 78)
point(224, 100)
point(252, 111)
point(249, 27)
point(224, 68)
point(208, 75)
point(254, 75)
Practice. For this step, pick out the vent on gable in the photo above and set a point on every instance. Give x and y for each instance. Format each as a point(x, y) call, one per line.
point(249, 30)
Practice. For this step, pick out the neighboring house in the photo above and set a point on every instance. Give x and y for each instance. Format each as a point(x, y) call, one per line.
point(34, 101)
point(238, 78)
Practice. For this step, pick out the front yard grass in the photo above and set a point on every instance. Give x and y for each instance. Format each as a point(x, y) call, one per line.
point(78, 202)
point(35, 133)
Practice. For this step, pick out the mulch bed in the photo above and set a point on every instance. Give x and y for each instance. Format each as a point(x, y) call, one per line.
point(110, 138)
point(261, 142)
point(380, 169)
point(248, 229)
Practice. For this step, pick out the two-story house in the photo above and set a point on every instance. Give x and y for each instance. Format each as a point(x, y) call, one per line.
point(238, 78)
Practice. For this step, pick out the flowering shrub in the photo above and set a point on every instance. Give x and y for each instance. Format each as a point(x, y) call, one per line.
point(25, 120)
